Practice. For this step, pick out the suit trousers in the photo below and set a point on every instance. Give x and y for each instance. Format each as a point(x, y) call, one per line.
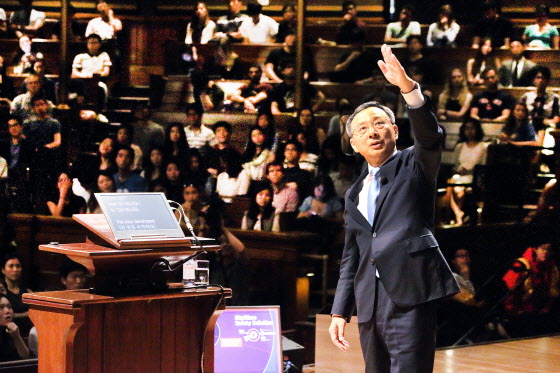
point(398, 339)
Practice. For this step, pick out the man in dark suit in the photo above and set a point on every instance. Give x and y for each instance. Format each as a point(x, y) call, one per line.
point(392, 270)
point(517, 71)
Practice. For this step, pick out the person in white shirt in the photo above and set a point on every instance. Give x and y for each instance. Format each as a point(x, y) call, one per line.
point(443, 32)
point(397, 32)
point(106, 26)
point(26, 20)
point(198, 135)
point(258, 28)
point(201, 28)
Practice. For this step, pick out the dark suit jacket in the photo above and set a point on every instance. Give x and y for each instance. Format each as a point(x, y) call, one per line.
point(506, 76)
point(400, 244)
point(25, 155)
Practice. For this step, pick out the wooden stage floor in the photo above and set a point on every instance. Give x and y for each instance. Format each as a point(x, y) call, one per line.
point(527, 355)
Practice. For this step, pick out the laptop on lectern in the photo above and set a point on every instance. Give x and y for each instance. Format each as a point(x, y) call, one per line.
point(139, 215)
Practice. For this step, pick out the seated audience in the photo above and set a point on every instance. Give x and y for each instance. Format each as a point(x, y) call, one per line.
point(329, 156)
point(107, 26)
point(196, 172)
point(173, 181)
point(18, 153)
point(147, 133)
point(315, 136)
point(13, 282)
point(288, 24)
point(345, 177)
point(352, 30)
point(324, 201)
point(282, 96)
point(279, 58)
point(492, 26)
point(533, 281)
point(65, 203)
point(7, 90)
point(107, 153)
point(355, 65)
point(541, 35)
point(455, 99)
point(22, 106)
point(25, 57)
point(548, 207)
point(12, 345)
point(415, 58)
point(443, 32)
point(543, 104)
point(516, 71)
point(294, 176)
point(197, 134)
point(379, 91)
point(127, 181)
point(307, 160)
point(153, 169)
point(201, 28)
point(176, 144)
point(26, 20)
point(470, 150)
point(125, 134)
point(42, 131)
point(483, 60)
point(94, 62)
point(48, 85)
point(265, 121)
point(397, 32)
point(73, 275)
point(227, 27)
point(492, 104)
point(105, 184)
point(261, 215)
point(343, 108)
point(253, 160)
point(224, 162)
point(252, 97)
point(285, 198)
point(518, 129)
point(194, 206)
point(258, 28)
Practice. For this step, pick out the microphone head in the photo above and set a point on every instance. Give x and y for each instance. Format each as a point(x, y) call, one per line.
point(383, 180)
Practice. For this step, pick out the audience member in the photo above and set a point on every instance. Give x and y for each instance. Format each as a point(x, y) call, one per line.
point(285, 198)
point(307, 160)
point(483, 60)
point(42, 131)
point(261, 215)
point(224, 162)
point(379, 91)
point(153, 169)
point(265, 121)
point(548, 206)
point(65, 203)
point(16, 150)
point(343, 108)
point(355, 65)
point(469, 152)
point(201, 28)
point(26, 20)
point(7, 90)
point(72, 275)
point(193, 205)
point(282, 95)
point(324, 201)
point(94, 62)
point(443, 32)
point(518, 129)
point(279, 58)
point(3, 24)
point(258, 28)
point(13, 282)
point(176, 144)
point(306, 123)
point(542, 103)
point(344, 178)
point(48, 85)
point(254, 160)
point(198, 135)
point(542, 35)
point(22, 107)
point(196, 172)
point(287, 25)
point(252, 97)
point(397, 32)
point(25, 57)
point(127, 181)
point(492, 26)
point(533, 281)
point(329, 156)
point(107, 153)
point(105, 184)
point(415, 58)
point(125, 134)
point(516, 71)
point(147, 133)
point(455, 99)
point(227, 27)
point(492, 104)
point(12, 345)
point(294, 176)
point(173, 181)
point(352, 29)
point(106, 25)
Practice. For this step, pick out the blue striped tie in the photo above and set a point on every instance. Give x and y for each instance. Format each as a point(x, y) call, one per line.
point(373, 192)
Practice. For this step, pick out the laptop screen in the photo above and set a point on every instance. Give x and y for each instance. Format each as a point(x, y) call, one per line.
point(139, 214)
point(248, 340)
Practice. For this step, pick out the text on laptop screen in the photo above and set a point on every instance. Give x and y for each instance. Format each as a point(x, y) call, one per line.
point(248, 340)
point(138, 212)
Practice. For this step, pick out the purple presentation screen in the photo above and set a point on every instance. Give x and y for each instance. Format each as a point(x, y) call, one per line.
point(248, 340)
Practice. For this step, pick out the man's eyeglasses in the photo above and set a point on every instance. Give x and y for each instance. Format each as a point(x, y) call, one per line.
point(362, 129)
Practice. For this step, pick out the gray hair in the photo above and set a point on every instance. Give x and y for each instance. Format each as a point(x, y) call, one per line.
point(364, 106)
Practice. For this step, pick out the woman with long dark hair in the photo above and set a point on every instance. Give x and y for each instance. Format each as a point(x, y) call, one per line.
point(153, 169)
point(176, 145)
point(201, 28)
point(306, 123)
point(65, 202)
point(105, 184)
point(260, 215)
point(485, 58)
point(254, 160)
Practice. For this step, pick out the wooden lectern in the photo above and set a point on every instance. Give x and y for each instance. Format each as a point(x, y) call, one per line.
point(128, 322)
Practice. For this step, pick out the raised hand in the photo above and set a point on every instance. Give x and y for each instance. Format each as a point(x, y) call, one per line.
point(393, 70)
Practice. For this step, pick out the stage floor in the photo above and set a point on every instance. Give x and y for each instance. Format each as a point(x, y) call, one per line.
point(526, 355)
